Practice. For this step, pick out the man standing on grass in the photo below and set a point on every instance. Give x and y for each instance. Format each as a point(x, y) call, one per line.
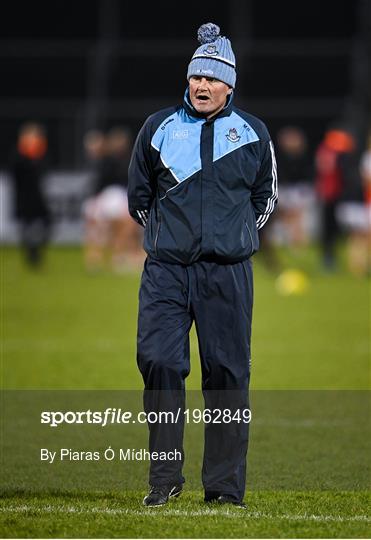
point(202, 181)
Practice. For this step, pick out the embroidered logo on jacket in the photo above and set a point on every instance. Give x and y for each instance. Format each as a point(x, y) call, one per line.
point(233, 136)
point(180, 134)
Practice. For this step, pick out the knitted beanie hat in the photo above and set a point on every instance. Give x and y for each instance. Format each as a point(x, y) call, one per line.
point(215, 57)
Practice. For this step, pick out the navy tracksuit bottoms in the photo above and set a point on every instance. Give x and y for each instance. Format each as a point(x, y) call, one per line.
point(218, 298)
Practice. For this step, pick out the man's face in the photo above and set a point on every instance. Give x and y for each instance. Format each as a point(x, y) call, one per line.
point(208, 95)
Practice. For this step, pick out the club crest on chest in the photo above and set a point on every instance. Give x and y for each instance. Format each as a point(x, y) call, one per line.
point(233, 136)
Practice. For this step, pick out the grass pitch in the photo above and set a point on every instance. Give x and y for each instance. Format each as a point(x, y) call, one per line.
point(113, 515)
point(63, 329)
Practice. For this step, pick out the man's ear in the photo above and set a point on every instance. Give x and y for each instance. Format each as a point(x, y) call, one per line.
point(229, 92)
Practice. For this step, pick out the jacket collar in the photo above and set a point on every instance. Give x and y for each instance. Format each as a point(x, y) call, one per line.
point(226, 111)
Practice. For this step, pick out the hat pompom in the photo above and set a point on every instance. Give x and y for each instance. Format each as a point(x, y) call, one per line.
point(207, 33)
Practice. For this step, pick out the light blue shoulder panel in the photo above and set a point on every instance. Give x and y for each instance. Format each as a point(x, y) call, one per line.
point(177, 140)
point(230, 133)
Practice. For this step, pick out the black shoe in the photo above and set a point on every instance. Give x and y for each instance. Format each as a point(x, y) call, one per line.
point(227, 499)
point(211, 496)
point(159, 495)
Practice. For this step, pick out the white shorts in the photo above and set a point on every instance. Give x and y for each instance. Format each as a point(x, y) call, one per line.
point(295, 197)
point(355, 216)
point(111, 203)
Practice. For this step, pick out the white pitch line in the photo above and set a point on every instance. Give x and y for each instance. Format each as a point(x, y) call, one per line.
point(191, 513)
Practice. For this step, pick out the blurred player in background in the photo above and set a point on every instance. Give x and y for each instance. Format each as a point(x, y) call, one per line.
point(29, 167)
point(331, 155)
point(354, 214)
point(94, 146)
point(296, 183)
point(289, 226)
point(112, 238)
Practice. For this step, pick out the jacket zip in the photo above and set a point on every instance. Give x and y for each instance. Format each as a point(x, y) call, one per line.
point(157, 233)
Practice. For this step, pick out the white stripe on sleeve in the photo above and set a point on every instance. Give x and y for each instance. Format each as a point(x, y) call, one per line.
point(142, 217)
point(263, 218)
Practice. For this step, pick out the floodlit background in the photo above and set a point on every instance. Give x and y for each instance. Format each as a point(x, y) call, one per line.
point(78, 79)
point(83, 73)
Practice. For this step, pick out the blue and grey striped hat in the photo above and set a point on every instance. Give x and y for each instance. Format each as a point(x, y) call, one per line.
point(215, 57)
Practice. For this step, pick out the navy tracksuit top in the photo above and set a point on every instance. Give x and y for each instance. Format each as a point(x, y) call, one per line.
point(202, 188)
